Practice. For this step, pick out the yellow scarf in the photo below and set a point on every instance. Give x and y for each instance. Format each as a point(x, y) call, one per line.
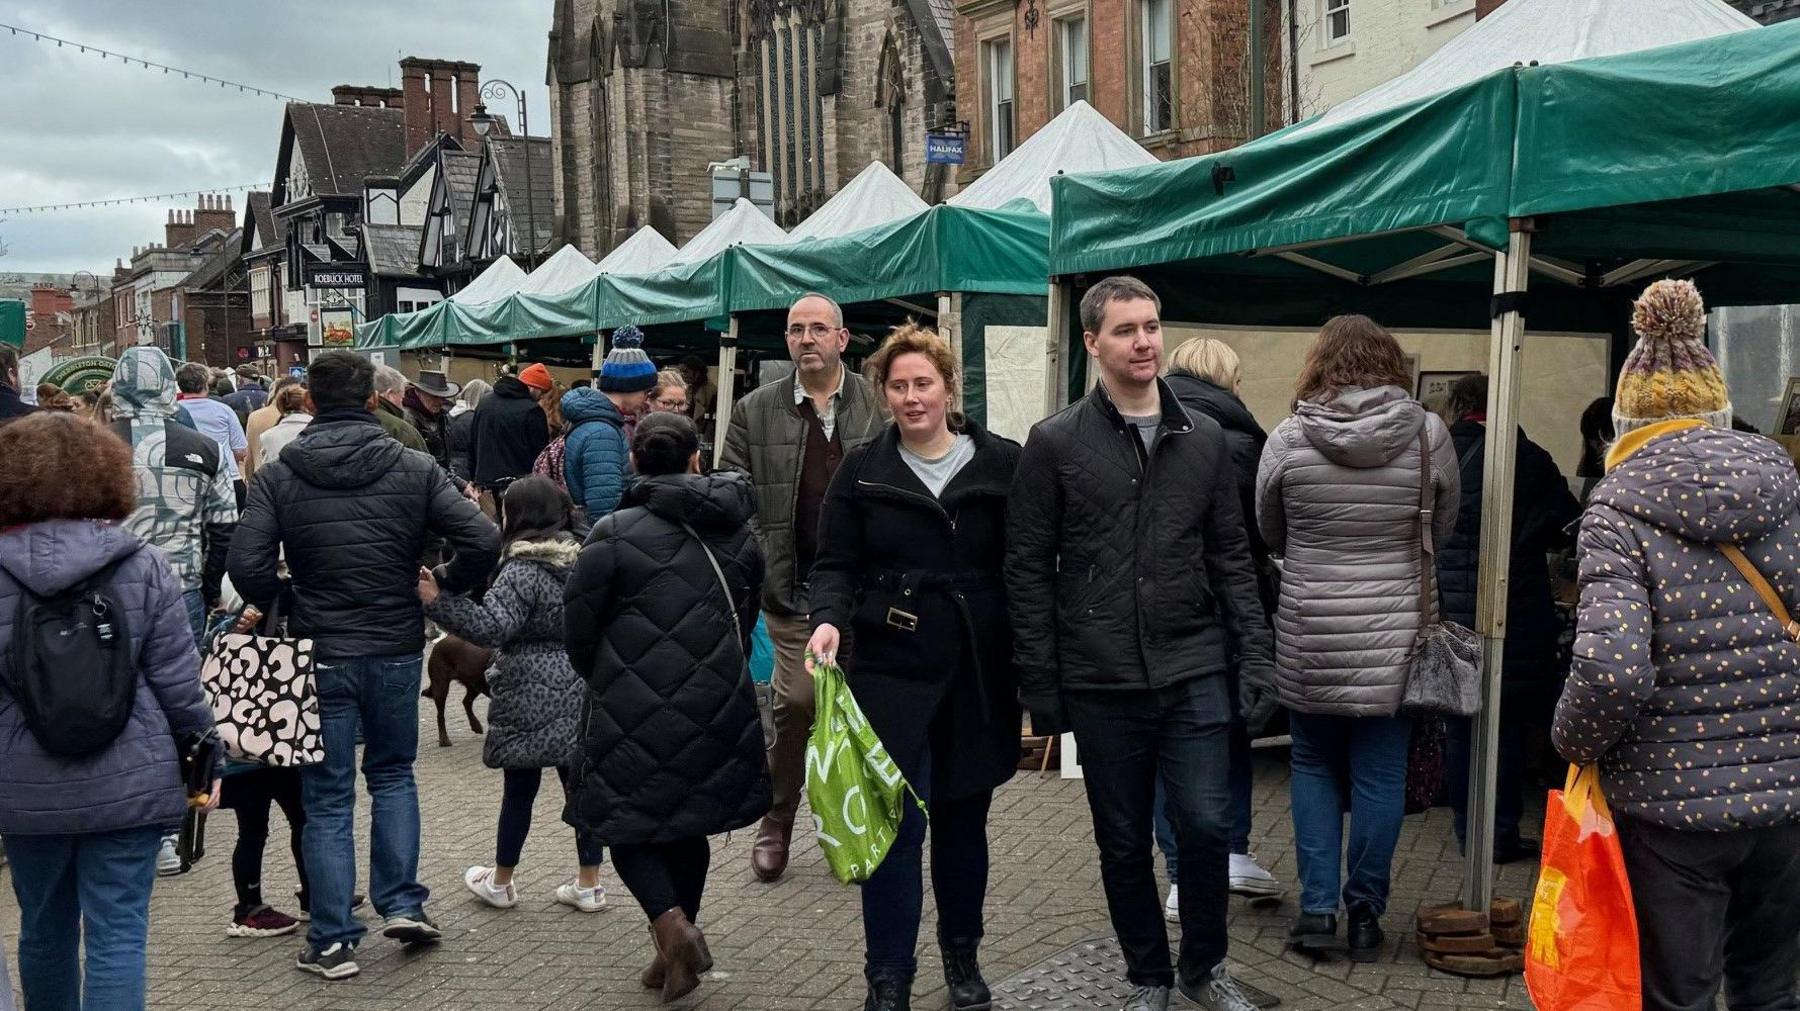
point(1631, 442)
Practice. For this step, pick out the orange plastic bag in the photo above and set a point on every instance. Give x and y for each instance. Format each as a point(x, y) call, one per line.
point(1582, 954)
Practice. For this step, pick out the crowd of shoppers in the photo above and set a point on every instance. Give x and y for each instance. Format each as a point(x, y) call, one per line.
point(958, 578)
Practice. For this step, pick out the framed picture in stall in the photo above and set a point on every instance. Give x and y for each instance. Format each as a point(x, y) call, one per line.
point(1435, 386)
point(1790, 408)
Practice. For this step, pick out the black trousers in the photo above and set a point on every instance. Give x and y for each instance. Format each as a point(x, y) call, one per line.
point(665, 876)
point(1128, 740)
point(1715, 907)
point(251, 794)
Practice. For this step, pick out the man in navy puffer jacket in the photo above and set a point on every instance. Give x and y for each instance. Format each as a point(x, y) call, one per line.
point(597, 455)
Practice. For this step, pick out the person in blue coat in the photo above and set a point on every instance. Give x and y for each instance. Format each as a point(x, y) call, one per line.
point(597, 458)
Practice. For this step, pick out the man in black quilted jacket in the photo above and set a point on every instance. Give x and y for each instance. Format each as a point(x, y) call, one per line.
point(351, 509)
point(1132, 592)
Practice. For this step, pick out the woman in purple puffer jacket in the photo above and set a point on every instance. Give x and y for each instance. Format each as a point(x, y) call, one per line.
point(81, 833)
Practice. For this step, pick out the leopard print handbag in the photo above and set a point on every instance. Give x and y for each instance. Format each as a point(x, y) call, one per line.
point(263, 697)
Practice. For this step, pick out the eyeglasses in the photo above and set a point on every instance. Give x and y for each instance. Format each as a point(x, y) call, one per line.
point(819, 331)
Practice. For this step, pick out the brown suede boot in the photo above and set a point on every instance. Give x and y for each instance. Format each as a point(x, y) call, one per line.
point(682, 951)
point(769, 855)
point(652, 977)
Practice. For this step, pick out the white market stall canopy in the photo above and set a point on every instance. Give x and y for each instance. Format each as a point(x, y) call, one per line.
point(743, 225)
point(875, 197)
point(1078, 140)
point(1543, 32)
point(565, 270)
point(500, 279)
point(645, 251)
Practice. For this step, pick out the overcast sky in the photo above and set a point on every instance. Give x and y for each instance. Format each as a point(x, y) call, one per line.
point(75, 127)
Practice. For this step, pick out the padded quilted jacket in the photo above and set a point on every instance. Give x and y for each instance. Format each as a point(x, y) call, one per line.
point(352, 508)
point(671, 741)
point(767, 443)
point(1684, 687)
point(135, 781)
point(1337, 498)
point(595, 456)
point(1123, 573)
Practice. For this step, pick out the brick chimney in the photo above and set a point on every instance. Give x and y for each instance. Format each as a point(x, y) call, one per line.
point(468, 96)
point(179, 230)
point(214, 212)
point(1485, 7)
point(366, 95)
point(438, 96)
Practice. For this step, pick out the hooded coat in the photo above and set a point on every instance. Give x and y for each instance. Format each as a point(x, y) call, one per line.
point(509, 432)
point(1684, 686)
point(1245, 438)
point(671, 741)
point(1337, 498)
point(595, 456)
point(352, 508)
point(535, 695)
point(136, 780)
point(186, 504)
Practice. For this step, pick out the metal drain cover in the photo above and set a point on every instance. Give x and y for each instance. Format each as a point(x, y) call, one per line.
point(1088, 975)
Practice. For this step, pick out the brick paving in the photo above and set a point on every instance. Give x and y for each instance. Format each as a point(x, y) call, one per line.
point(793, 946)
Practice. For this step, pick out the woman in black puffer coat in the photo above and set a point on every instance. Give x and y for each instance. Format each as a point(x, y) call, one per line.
point(658, 620)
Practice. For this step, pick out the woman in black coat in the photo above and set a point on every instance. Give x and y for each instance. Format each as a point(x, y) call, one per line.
point(908, 577)
point(658, 619)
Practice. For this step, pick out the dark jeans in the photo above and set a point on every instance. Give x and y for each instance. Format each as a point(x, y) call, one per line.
point(665, 876)
point(1242, 774)
point(251, 794)
point(195, 603)
point(518, 792)
point(1712, 907)
point(383, 693)
point(1509, 772)
point(74, 889)
point(893, 899)
point(1358, 765)
point(1128, 740)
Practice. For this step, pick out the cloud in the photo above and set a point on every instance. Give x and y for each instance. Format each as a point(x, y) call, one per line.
point(79, 127)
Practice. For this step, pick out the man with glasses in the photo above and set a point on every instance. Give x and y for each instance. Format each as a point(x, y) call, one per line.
point(789, 437)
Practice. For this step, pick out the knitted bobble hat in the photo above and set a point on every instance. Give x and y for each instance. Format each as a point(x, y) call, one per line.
point(627, 368)
point(1670, 373)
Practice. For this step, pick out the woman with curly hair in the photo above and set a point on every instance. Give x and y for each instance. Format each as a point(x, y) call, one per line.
point(82, 831)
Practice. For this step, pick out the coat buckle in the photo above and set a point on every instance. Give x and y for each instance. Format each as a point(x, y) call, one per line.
point(905, 621)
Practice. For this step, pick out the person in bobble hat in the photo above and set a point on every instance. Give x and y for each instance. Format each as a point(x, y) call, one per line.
point(1682, 688)
point(598, 454)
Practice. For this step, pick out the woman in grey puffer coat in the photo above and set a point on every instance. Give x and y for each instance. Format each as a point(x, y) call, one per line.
point(1337, 498)
point(534, 712)
point(1685, 687)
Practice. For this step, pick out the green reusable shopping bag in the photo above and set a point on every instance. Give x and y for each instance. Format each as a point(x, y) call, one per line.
point(854, 787)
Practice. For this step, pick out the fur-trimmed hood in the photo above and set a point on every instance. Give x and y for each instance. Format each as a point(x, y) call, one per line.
point(557, 552)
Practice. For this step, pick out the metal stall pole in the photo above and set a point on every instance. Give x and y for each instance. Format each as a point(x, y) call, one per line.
point(599, 356)
point(1512, 275)
point(727, 388)
point(1056, 345)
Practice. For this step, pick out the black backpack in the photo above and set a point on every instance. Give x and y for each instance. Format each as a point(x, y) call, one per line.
point(70, 669)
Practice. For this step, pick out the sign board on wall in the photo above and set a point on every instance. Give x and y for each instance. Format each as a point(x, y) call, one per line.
point(337, 328)
point(332, 275)
point(945, 148)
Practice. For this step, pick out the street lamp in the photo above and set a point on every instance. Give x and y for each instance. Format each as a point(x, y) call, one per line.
point(483, 122)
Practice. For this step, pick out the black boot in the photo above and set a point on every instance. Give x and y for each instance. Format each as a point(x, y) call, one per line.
point(1314, 934)
point(1365, 934)
point(889, 992)
point(962, 973)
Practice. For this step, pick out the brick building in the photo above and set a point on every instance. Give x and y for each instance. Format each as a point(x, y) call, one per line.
point(646, 96)
point(186, 294)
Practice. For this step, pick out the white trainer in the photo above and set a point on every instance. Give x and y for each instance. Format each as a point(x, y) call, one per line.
point(168, 859)
point(481, 881)
point(588, 900)
point(1249, 879)
point(1172, 907)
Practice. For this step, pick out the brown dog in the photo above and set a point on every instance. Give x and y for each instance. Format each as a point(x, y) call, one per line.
point(453, 660)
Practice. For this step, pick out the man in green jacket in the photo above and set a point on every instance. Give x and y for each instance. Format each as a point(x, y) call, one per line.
point(390, 408)
point(789, 437)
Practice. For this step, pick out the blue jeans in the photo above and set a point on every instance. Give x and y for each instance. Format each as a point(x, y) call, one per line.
point(1129, 740)
point(195, 602)
point(1242, 773)
point(383, 693)
point(95, 885)
point(1354, 764)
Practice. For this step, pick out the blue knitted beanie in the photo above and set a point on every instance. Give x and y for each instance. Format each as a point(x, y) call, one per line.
point(627, 368)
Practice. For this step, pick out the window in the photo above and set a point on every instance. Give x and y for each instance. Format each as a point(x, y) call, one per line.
point(999, 65)
point(259, 292)
point(1159, 85)
point(897, 133)
point(1337, 21)
point(1072, 53)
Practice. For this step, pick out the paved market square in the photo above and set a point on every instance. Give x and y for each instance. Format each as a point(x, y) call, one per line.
point(792, 946)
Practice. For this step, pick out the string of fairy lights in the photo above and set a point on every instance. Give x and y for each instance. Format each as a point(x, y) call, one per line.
point(103, 53)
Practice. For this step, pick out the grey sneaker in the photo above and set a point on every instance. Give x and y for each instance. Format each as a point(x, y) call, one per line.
point(1148, 998)
point(414, 929)
point(335, 962)
point(1218, 992)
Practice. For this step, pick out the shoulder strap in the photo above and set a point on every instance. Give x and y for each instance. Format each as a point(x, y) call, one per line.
point(1469, 454)
point(1763, 588)
point(724, 587)
point(1426, 549)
